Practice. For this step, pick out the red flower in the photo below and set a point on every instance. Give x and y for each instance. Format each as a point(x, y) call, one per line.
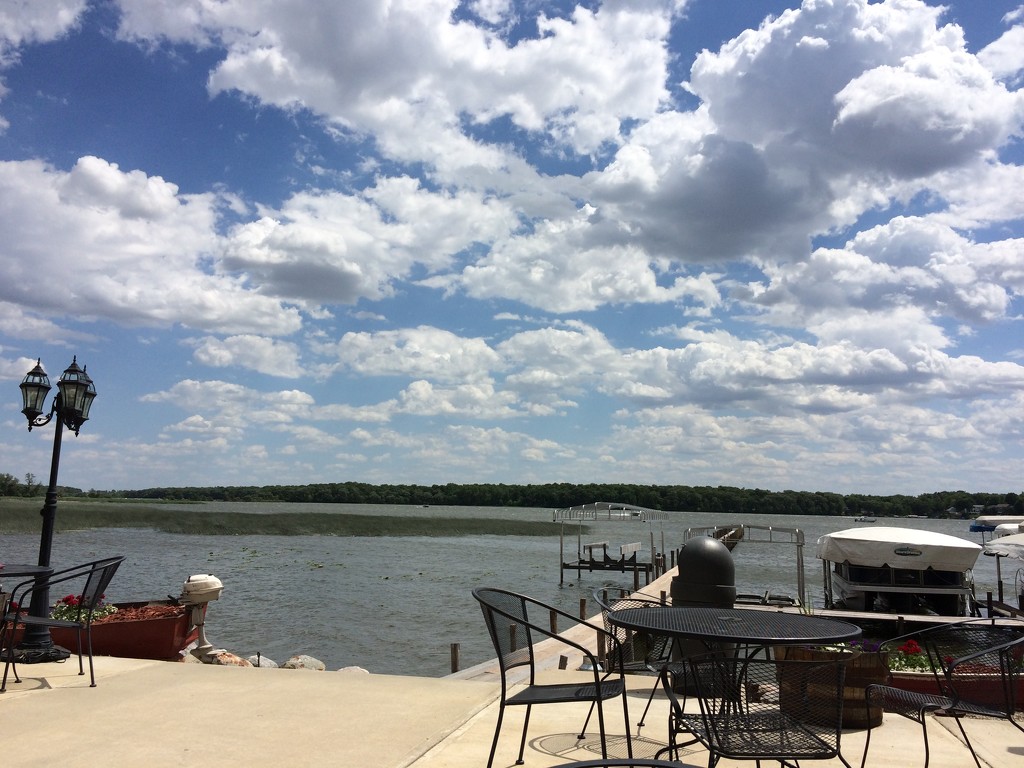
point(910, 647)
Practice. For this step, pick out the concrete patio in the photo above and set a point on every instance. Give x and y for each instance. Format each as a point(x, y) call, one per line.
point(150, 713)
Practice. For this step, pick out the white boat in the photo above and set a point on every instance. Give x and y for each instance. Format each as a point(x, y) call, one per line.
point(865, 519)
point(988, 523)
point(1006, 529)
point(898, 570)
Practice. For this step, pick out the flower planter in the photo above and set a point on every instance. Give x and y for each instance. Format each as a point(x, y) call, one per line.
point(862, 669)
point(914, 682)
point(984, 689)
point(143, 630)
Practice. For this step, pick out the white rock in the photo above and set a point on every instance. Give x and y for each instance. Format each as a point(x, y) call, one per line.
point(302, 661)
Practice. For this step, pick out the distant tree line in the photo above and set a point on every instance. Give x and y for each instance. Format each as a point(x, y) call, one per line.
point(720, 499)
point(12, 486)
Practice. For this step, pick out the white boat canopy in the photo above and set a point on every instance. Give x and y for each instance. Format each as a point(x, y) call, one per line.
point(1007, 546)
point(1006, 529)
point(995, 520)
point(899, 548)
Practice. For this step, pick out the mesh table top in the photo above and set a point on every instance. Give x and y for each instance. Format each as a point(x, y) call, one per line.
point(20, 569)
point(735, 625)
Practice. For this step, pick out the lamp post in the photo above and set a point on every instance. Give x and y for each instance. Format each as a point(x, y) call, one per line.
point(75, 393)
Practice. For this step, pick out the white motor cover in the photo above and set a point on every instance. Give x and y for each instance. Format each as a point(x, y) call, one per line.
point(201, 588)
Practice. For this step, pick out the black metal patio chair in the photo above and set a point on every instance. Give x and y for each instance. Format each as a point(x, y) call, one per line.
point(93, 577)
point(642, 653)
point(975, 666)
point(756, 708)
point(516, 623)
point(620, 763)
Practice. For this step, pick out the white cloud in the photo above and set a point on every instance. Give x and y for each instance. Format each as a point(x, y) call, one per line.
point(836, 196)
point(476, 401)
point(576, 81)
point(39, 21)
point(136, 247)
point(415, 352)
point(338, 248)
point(234, 405)
point(257, 353)
point(1004, 57)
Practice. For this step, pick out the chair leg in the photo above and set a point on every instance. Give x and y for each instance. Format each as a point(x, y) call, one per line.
point(81, 669)
point(924, 730)
point(650, 700)
point(867, 743)
point(625, 720)
point(7, 650)
point(8, 663)
point(497, 730)
point(600, 725)
point(967, 741)
point(92, 672)
point(526, 725)
point(590, 713)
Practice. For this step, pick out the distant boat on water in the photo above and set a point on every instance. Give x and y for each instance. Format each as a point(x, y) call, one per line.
point(865, 519)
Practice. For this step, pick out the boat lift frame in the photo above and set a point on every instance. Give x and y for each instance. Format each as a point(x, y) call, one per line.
point(762, 534)
point(608, 511)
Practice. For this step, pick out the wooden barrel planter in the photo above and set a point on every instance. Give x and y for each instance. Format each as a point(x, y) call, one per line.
point(862, 669)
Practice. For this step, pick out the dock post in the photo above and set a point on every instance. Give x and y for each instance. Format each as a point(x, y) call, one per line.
point(561, 554)
point(455, 657)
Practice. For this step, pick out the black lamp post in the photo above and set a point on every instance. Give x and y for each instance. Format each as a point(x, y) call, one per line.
point(75, 393)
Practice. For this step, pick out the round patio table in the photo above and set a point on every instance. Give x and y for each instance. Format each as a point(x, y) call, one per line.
point(21, 569)
point(725, 631)
point(714, 626)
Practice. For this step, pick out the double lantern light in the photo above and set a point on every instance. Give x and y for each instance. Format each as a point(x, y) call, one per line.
point(71, 404)
point(75, 393)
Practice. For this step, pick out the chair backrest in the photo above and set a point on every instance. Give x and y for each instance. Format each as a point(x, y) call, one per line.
point(639, 650)
point(980, 662)
point(507, 616)
point(94, 577)
point(97, 580)
point(803, 699)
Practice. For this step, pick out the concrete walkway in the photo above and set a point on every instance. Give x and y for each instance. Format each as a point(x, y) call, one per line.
point(151, 713)
point(155, 714)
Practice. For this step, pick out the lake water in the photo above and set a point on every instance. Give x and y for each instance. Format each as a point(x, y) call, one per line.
point(396, 604)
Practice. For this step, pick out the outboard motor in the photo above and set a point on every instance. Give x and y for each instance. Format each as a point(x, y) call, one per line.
point(196, 593)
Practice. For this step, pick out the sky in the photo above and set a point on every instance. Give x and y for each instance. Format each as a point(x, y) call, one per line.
point(753, 243)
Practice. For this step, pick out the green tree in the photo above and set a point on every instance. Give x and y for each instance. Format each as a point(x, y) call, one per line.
point(9, 485)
